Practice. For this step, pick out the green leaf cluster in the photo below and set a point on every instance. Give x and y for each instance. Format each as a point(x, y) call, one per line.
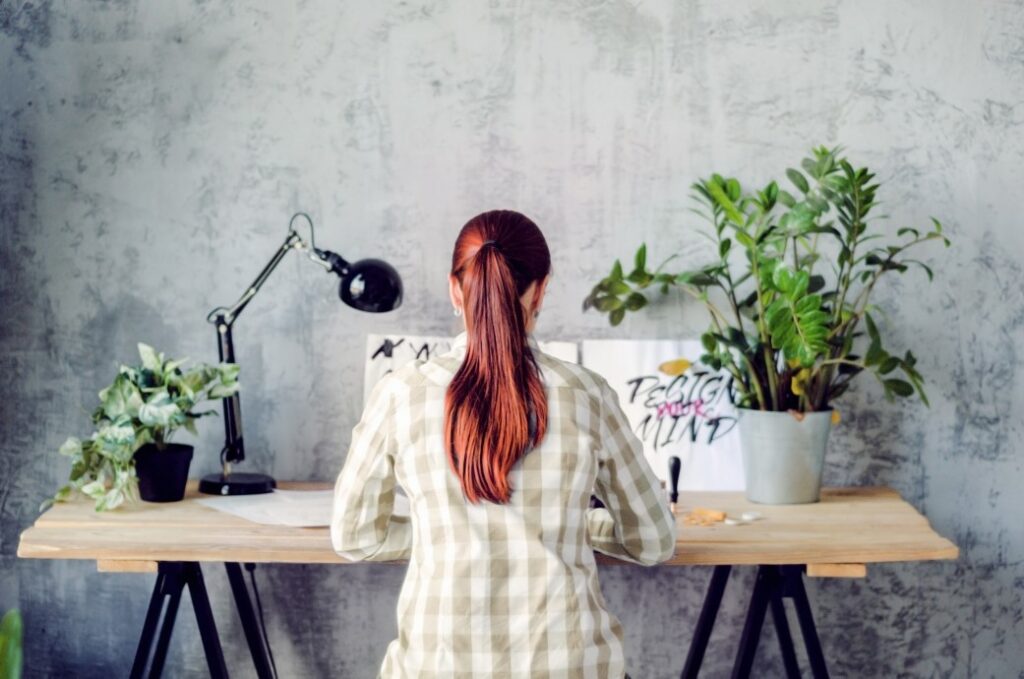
point(789, 291)
point(146, 403)
point(615, 294)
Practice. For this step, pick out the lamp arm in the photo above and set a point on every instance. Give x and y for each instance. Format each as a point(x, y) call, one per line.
point(224, 318)
point(229, 314)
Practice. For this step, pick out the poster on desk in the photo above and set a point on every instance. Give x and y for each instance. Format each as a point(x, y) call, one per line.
point(677, 407)
point(385, 353)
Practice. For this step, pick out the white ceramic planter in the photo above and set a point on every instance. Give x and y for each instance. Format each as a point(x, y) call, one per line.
point(783, 457)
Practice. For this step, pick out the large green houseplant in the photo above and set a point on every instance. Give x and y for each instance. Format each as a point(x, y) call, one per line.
point(788, 290)
point(131, 449)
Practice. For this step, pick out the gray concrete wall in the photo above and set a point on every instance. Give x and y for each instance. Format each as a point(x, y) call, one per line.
point(153, 151)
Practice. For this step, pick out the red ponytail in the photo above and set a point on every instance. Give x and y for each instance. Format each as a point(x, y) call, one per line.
point(497, 391)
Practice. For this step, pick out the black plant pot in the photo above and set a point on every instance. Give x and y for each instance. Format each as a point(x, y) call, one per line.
point(162, 473)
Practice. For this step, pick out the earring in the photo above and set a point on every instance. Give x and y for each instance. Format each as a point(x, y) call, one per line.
point(536, 313)
point(457, 311)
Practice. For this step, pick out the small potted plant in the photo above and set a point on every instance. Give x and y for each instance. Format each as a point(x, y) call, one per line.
point(788, 290)
point(130, 455)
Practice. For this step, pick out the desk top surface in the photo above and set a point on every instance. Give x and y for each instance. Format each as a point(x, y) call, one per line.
point(848, 526)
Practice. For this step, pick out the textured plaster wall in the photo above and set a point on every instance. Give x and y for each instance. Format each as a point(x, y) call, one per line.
point(151, 153)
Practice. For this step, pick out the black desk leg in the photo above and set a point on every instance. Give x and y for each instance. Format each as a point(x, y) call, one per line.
point(174, 586)
point(773, 585)
point(706, 622)
point(764, 590)
point(171, 579)
point(795, 582)
point(154, 616)
point(785, 638)
point(207, 626)
point(258, 644)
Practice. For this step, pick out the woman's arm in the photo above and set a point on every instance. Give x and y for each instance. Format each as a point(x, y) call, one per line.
point(636, 524)
point(363, 527)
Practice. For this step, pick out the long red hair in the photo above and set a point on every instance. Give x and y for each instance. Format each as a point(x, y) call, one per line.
point(497, 391)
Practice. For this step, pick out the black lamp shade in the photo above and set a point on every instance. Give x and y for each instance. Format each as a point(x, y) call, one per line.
point(371, 285)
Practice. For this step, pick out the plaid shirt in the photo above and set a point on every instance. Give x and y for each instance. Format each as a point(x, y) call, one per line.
point(501, 590)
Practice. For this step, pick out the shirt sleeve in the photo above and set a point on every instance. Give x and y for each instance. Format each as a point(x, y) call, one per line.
point(636, 523)
point(363, 527)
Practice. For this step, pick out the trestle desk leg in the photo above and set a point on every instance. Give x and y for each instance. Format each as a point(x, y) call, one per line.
point(171, 580)
point(797, 592)
point(785, 638)
point(706, 622)
point(207, 625)
point(258, 643)
point(160, 618)
point(764, 589)
point(772, 586)
point(149, 627)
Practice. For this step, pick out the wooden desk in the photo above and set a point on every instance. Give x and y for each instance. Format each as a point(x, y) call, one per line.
point(839, 536)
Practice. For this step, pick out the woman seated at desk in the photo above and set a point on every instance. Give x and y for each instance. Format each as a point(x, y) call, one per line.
point(499, 448)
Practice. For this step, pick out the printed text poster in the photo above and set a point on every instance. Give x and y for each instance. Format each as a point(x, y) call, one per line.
point(677, 407)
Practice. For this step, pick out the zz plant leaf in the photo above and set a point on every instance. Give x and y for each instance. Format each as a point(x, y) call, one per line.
point(797, 323)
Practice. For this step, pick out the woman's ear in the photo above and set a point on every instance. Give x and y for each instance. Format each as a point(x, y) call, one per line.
point(538, 293)
point(455, 292)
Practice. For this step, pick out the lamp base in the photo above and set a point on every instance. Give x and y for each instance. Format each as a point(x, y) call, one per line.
point(237, 483)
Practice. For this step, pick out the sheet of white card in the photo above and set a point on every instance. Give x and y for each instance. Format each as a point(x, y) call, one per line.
point(385, 353)
point(296, 508)
point(689, 416)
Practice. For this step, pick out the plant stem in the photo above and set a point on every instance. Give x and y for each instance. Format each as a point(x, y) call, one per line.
point(716, 313)
point(733, 370)
point(754, 380)
point(842, 361)
point(847, 269)
point(769, 359)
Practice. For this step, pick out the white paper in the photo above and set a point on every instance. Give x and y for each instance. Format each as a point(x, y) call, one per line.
point(566, 351)
point(385, 353)
point(690, 416)
point(296, 508)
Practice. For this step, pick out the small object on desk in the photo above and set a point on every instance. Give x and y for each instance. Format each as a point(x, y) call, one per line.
point(701, 516)
point(674, 466)
point(751, 516)
point(709, 514)
point(733, 522)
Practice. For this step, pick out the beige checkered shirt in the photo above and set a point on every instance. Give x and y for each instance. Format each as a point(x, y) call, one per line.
point(498, 590)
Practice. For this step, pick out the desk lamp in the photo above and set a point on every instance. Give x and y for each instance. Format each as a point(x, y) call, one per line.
point(367, 285)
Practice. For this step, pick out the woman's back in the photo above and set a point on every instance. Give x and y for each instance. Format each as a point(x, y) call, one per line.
point(499, 448)
point(501, 590)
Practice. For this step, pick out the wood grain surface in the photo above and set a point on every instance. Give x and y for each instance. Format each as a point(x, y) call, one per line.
point(850, 526)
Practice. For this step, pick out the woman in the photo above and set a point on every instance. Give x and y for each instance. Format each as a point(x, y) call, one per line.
point(499, 448)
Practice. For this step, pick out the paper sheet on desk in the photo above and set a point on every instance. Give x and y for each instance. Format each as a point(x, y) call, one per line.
point(295, 508)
